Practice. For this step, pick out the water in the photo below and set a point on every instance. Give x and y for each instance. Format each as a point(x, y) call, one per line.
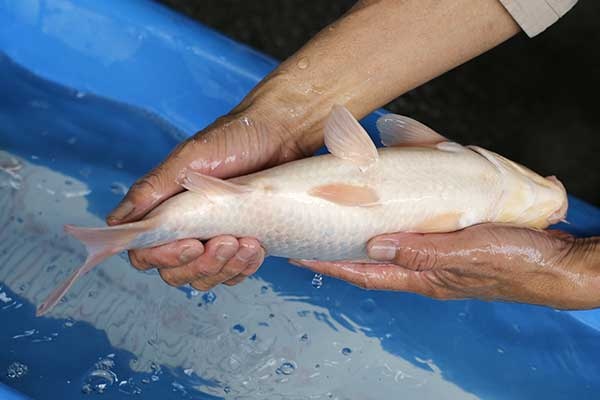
point(121, 333)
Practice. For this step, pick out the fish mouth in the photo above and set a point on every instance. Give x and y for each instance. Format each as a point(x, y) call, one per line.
point(560, 214)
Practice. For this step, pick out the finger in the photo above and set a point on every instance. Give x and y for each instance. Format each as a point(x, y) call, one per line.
point(420, 252)
point(368, 276)
point(235, 280)
point(153, 188)
point(171, 255)
point(218, 251)
point(249, 254)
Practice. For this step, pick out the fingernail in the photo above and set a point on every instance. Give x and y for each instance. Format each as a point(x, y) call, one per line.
point(382, 251)
point(225, 251)
point(245, 253)
point(190, 253)
point(121, 212)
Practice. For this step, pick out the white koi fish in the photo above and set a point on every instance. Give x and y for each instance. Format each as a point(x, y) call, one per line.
point(328, 207)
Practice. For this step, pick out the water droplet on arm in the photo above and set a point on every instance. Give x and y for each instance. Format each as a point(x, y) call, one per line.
point(303, 63)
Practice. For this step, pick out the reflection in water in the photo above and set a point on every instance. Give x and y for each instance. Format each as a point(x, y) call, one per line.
point(66, 158)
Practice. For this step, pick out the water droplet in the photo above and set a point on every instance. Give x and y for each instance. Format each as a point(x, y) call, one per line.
point(145, 381)
point(239, 328)
point(227, 389)
point(253, 337)
point(317, 281)
point(346, 351)
point(80, 95)
point(271, 315)
point(154, 378)
point(264, 289)
point(99, 380)
point(129, 387)
point(118, 188)
point(86, 389)
point(23, 287)
point(209, 297)
point(303, 63)
point(16, 370)
point(69, 323)
point(304, 338)
point(287, 368)
point(188, 371)
point(50, 267)
point(178, 387)
point(93, 294)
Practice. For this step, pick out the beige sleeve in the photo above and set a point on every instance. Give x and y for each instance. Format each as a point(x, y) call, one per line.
point(534, 16)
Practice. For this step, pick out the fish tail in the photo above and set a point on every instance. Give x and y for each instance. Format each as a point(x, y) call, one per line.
point(100, 243)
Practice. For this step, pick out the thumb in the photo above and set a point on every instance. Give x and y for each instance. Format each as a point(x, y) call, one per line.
point(151, 190)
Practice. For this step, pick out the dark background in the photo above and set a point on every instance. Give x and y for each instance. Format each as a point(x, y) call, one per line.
point(535, 101)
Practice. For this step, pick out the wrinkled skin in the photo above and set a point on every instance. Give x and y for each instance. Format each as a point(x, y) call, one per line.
point(489, 262)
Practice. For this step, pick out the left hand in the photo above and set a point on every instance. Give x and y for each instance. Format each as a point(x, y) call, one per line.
point(489, 262)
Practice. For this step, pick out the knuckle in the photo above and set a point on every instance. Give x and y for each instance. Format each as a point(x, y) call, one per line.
point(202, 269)
point(169, 279)
point(422, 258)
point(135, 261)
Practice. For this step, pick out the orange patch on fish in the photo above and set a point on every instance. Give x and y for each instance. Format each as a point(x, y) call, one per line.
point(346, 195)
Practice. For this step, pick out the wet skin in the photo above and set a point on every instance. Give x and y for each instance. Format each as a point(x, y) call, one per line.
point(371, 55)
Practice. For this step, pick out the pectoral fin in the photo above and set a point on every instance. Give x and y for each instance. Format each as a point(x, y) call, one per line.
point(210, 186)
point(398, 130)
point(345, 138)
point(346, 195)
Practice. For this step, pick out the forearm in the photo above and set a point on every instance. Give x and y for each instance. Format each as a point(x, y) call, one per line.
point(378, 51)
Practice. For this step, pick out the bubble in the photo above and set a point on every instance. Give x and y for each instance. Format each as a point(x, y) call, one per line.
point(264, 289)
point(129, 387)
point(239, 328)
point(178, 387)
point(346, 351)
point(99, 380)
point(304, 338)
point(118, 188)
point(286, 368)
point(227, 389)
point(16, 370)
point(209, 297)
point(317, 281)
point(69, 323)
point(368, 305)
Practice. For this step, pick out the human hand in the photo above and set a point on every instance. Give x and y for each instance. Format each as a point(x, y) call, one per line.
point(242, 142)
point(489, 262)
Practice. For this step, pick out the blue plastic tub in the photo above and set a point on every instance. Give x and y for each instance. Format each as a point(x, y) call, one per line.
point(93, 94)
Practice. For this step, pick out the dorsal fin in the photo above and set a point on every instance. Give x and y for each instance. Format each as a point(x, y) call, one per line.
point(398, 130)
point(210, 186)
point(345, 138)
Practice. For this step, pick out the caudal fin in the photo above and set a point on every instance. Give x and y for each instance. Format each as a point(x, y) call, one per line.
point(100, 243)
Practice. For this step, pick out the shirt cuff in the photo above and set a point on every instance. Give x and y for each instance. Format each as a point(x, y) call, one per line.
point(534, 16)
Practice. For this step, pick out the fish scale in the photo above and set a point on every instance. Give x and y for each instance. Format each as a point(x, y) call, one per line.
point(328, 207)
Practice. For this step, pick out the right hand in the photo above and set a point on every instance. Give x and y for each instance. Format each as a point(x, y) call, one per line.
point(242, 142)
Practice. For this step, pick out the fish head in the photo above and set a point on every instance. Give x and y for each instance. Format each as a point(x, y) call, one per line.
point(528, 199)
